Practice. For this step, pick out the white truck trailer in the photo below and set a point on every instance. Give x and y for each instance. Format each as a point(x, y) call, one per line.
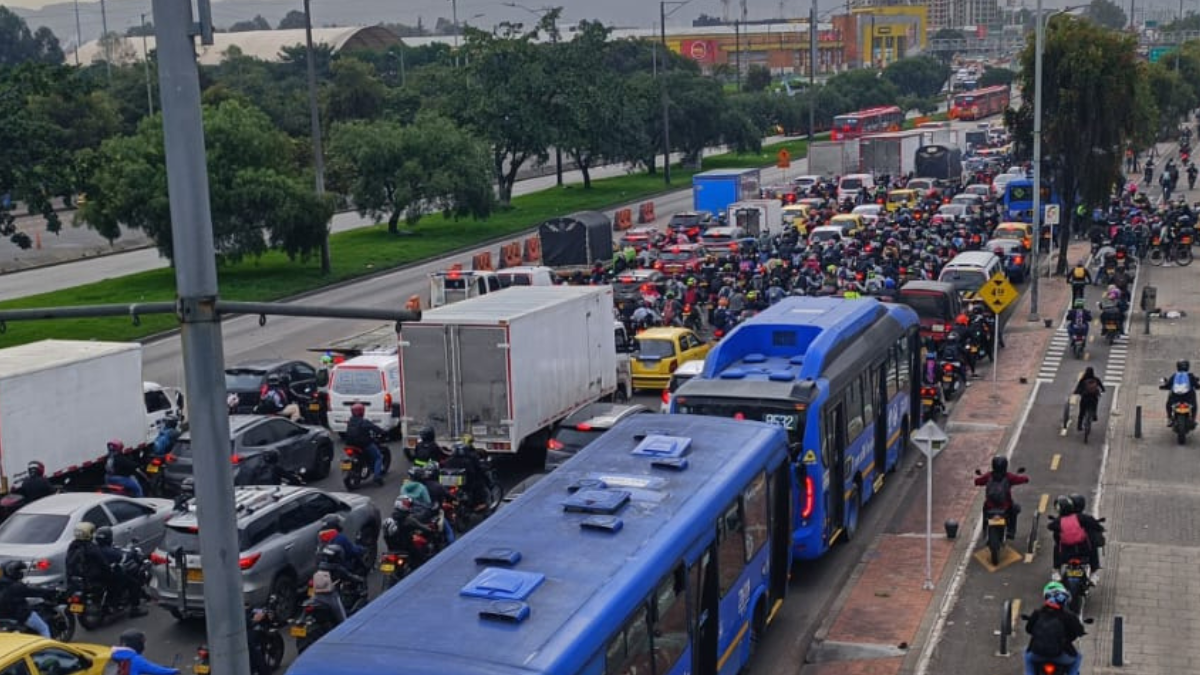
point(62, 401)
point(507, 367)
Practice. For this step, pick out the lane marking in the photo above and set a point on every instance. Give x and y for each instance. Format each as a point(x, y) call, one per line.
point(1044, 502)
point(1054, 462)
point(1014, 614)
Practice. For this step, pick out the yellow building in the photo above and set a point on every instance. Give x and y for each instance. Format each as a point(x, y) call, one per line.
point(887, 34)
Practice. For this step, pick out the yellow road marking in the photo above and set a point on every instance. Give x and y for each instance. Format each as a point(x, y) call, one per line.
point(1054, 462)
point(1014, 614)
point(1043, 503)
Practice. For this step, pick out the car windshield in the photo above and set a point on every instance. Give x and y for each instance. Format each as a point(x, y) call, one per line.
point(685, 220)
point(32, 528)
point(851, 183)
point(243, 380)
point(509, 280)
point(926, 305)
point(176, 537)
point(672, 256)
point(356, 382)
point(963, 279)
point(655, 349)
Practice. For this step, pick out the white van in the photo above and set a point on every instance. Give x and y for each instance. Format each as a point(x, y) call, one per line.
point(372, 380)
point(969, 271)
point(855, 186)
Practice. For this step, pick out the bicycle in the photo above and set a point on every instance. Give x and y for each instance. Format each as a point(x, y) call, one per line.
point(1074, 401)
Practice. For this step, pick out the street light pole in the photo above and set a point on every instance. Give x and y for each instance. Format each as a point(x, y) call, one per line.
point(146, 69)
point(812, 73)
point(105, 43)
point(314, 115)
point(666, 112)
point(1038, 46)
point(78, 33)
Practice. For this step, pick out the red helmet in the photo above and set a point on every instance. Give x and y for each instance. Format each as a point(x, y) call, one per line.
point(116, 446)
point(962, 320)
point(358, 410)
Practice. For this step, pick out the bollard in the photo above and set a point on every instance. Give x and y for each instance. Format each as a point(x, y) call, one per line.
point(1146, 327)
point(1118, 650)
point(1005, 628)
point(1137, 422)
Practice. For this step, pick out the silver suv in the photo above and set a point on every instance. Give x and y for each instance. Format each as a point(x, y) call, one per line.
point(277, 537)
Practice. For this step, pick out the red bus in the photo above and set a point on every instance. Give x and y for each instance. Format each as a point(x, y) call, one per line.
point(869, 121)
point(981, 103)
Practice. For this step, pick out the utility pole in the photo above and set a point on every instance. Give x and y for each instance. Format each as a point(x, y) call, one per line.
point(1038, 48)
point(737, 53)
point(105, 42)
point(314, 115)
point(78, 34)
point(454, 18)
point(812, 73)
point(203, 352)
point(146, 69)
point(666, 110)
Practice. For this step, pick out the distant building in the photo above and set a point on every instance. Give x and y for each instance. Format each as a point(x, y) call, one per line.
point(266, 45)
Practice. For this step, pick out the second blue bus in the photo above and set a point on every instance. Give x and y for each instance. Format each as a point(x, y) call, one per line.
point(837, 375)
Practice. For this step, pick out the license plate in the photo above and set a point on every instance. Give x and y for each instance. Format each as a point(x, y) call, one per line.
point(195, 575)
point(947, 378)
point(314, 407)
point(201, 669)
point(387, 568)
point(153, 468)
point(347, 466)
point(926, 401)
point(76, 608)
point(298, 631)
point(1075, 573)
point(1110, 326)
point(996, 522)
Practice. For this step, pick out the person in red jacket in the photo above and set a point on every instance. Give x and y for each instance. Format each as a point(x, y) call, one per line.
point(998, 492)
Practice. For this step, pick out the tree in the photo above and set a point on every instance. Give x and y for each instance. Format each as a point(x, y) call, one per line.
point(1089, 109)
point(992, 77)
point(18, 44)
point(758, 78)
point(393, 171)
point(863, 88)
point(259, 199)
point(918, 76)
point(356, 92)
point(1107, 14)
point(293, 20)
point(257, 23)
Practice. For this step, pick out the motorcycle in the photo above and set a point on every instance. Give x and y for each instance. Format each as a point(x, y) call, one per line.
point(356, 466)
point(394, 566)
point(953, 379)
point(53, 612)
point(94, 603)
point(1110, 326)
point(932, 405)
point(996, 527)
point(316, 619)
point(1181, 420)
point(264, 636)
point(1079, 343)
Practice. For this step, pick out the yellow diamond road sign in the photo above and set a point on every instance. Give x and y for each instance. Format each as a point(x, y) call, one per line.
point(997, 293)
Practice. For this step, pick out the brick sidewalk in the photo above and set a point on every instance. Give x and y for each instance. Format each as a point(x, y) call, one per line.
point(883, 606)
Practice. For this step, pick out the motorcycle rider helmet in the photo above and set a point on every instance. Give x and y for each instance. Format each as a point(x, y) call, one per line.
point(1079, 502)
point(1064, 505)
point(104, 536)
point(116, 446)
point(36, 468)
point(1056, 595)
point(961, 320)
point(468, 440)
point(273, 380)
point(423, 474)
point(333, 522)
point(999, 464)
point(358, 410)
point(14, 570)
point(85, 531)
point(427, 435)
point(134, 639)
point(1183, 365)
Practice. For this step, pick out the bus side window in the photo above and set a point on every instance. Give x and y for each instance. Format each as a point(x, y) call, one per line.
point(904, 360)
point(670, 632)
point(854, 422)
point(629, 651)
point(830, 437)
point(869, 395)
point(891, 371)
point(755, 505)
point(731, 554)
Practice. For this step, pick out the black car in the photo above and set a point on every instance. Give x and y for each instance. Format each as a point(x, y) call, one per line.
point(249, 379)
point(303, 449)
point(584, 426)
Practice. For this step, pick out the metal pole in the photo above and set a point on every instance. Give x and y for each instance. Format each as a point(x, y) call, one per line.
point(454, 18)
point(1039, 46)
point(78, 33)
point(995, 350)
point(928, 585)
point(203, 353)
point(666, 111)
point(105, 42)
point(812, 73)
point(737, 52)
point(314, 115)
point(146, 69)
point(1179, 43)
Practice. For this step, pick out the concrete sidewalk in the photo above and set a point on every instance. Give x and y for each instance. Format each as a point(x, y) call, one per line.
point(884, 611)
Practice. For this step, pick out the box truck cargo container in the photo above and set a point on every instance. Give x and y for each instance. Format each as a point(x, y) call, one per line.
point(715, 190)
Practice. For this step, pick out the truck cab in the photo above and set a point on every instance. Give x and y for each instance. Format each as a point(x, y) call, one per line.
point(457, 284)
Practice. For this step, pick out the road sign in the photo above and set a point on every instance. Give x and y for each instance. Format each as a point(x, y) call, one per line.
point(1052, 214)
point(930, 438)
point(784, 159)
point(997, 293)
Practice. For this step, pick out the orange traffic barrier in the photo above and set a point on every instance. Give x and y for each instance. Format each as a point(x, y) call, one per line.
point(482, 261)
point(624, 219)
point(511, 254)
point(646, 212)
point(533, 250)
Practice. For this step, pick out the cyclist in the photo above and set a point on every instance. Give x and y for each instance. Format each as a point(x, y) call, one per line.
point(1088, 389)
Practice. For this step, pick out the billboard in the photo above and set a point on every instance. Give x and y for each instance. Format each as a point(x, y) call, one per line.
point(701, 51)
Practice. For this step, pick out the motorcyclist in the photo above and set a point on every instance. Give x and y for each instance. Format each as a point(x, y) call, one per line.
point(463, 456)
point(117, 575)
point(333, 533)
point(13, 594)
point(274, 397)
point(168, 433)
point(1078, 319)
point(35, 485)
point(120, 470)
point(332, 561)
point(1079, 278)
point(361, 433)
point(1088, 389)
point(1182, 387)
point(129, 651)
point(408, 518)
point(84, 558)
point(438, 494)
point(1112, 309)
point(427, 450)
point(1072, 538)
point(1053, 631)
point(998, 493)
point(951, 350)
point(1094, 529)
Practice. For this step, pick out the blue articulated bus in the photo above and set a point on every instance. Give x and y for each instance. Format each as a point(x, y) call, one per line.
point(838, 376)
point(662, 548)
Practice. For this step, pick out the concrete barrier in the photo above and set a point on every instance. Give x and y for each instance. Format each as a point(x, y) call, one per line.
point(646, 212)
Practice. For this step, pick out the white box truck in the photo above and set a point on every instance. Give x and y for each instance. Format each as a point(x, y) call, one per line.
point(833, 158)
point(61, 402)
point(507, 367)
point(757, 216)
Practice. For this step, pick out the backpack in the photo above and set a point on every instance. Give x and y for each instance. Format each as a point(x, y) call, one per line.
point(1048, 636)
point(996, 491)
point(1070, 531)
point(1091, 387)
point(1079, 273)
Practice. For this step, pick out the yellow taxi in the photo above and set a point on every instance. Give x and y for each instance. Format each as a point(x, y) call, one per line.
point(660, 351)
point(36, 655)
point(1015, 230)
point(851, 223)
point(897, 199)
point(797, 216)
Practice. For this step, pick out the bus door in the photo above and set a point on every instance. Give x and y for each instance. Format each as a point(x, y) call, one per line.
point(877, 391)
point(705, 611)
point(835, 466)
point(781, 532)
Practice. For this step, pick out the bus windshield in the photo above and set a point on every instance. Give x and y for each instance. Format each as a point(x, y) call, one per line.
point(779, 413)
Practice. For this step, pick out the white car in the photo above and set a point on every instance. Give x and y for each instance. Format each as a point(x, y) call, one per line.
point(871, 213)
